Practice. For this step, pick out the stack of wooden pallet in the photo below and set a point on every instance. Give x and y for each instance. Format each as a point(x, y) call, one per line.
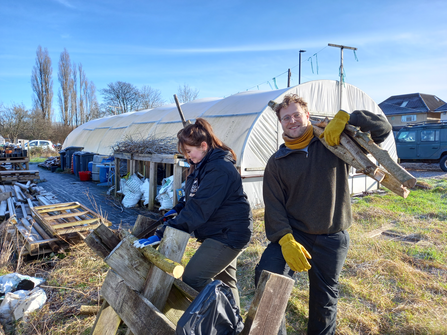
point(40, 223)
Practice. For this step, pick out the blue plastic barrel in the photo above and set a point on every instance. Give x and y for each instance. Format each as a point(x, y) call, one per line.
point(103, 173)
point(90, 166)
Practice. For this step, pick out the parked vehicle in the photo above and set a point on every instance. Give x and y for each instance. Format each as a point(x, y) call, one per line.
point(423, 143)
point(45, 144)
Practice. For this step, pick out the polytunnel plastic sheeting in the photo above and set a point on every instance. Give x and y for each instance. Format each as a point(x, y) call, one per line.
point(242, 121)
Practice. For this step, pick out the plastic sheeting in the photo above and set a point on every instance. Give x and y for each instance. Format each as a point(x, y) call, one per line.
point(242, 121)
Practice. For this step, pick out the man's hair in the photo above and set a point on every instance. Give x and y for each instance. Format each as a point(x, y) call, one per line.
point(288, 99)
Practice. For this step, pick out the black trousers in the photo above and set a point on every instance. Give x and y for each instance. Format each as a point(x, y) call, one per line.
point(328, 256)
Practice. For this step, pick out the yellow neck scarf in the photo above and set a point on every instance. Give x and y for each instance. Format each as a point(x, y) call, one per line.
point(300, 142)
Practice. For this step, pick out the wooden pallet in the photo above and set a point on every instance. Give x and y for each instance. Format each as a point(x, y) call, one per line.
point(64, 218)
point(19, 175)
point(33, 248)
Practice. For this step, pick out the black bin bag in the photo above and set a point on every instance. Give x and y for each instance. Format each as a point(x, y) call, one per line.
point(213, 312)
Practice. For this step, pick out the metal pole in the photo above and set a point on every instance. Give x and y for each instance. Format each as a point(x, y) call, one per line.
point(288, 78)
point(340, 83)
point(299, 66)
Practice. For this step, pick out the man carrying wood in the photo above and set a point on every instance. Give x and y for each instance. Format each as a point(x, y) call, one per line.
point(308, 205)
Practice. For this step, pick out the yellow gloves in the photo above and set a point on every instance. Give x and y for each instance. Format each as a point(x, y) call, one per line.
point(294, 253)
point(335, 127)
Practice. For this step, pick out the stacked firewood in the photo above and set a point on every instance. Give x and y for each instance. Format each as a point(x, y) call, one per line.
point(149, 145)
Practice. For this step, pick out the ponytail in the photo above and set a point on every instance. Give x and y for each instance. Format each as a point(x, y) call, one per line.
point(201, 131)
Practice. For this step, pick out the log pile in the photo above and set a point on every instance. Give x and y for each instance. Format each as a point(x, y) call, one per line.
point(51, 162)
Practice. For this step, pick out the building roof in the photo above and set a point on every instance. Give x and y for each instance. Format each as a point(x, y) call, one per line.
point(411, 103)
point(443, 108)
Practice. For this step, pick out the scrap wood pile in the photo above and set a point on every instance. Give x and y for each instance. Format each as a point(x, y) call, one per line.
point(143, 288)
point(38, 223)
point(149, 145)
point(49, 162)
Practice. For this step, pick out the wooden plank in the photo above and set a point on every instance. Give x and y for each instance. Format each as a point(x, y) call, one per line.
point(137, 312)
point(55, 209)
point(68, 215)
point(76, 223)
point(95, 243)
point(76, 229)
point(56, 205)
point(152, 185)
point(129, 263)
point(107, 237)
point(269, 304)
point(122, 155)
point(176, 305)
point(141, 223)
point(158, 282)
point(107, 322)
point(17, 172)
point(177, 183)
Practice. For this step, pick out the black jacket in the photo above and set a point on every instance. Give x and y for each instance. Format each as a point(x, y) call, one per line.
point(215, 205)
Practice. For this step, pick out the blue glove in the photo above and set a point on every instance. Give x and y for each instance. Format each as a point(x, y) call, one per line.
point(151, 241)
point(171, 212)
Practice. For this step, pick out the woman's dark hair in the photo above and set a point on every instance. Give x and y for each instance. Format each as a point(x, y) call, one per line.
point(201, 131)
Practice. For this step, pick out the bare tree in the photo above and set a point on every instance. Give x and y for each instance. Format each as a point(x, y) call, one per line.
point(42, 83)
point(64, 75)
point(13, 121)
point(81, 102)
point(38, 127)
point(121, 97)
point(74, 96)
point(91, 104)
point(186, 93)
point(150, 98)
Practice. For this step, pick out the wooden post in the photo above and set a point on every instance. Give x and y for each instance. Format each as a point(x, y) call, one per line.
point(152, 185)
point(269, 304)
point(117, 175)
point(102, 241)
point(178, 174)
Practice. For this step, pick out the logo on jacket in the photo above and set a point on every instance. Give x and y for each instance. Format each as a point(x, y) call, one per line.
point(194, 188)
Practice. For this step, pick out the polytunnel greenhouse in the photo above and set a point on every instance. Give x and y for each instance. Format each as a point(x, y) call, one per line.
point(242, 121)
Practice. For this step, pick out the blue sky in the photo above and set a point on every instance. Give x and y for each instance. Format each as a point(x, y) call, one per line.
point(224, 47)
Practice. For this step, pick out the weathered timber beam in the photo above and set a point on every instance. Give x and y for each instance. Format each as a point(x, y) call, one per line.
point(67, 215)
point(71, 224)
point(269, 304)
point(137, 312)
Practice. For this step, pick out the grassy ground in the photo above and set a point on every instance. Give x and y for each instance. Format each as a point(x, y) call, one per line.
point(392, 285)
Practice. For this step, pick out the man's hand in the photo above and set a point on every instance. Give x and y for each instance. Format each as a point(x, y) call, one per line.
point(335, 127)
point(294, 253)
